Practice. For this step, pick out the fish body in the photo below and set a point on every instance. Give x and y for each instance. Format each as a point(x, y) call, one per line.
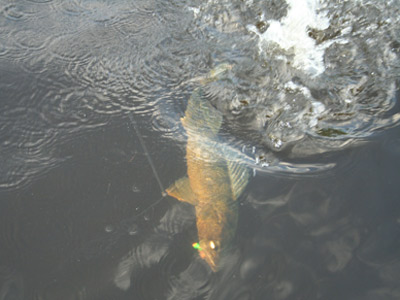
point(213, 183)
point(216, 210)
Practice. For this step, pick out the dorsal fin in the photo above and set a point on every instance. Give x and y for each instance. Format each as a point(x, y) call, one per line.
point(239, 175)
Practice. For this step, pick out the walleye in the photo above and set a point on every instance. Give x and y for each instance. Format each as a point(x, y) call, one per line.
point(214, 182)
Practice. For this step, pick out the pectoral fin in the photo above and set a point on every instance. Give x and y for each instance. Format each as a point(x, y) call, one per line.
point(239, 175)
point(182, 191)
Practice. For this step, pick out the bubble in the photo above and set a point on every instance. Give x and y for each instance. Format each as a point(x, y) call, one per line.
point(133, 229)
point(147, 217)
point(109, 228)
point(135, 189)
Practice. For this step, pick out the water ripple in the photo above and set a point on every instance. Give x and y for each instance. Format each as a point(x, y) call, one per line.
point(35, 146)
point(12, 12)
point(40, 1)
point(84, 63)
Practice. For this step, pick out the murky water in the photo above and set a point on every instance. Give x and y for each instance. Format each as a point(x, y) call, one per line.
point(311, 104)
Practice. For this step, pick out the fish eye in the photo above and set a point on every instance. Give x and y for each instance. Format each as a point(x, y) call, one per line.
point(212, 245)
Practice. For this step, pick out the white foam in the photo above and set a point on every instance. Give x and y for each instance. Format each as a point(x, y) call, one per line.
point(195, 10)
point(295, 87)
point(290, 33)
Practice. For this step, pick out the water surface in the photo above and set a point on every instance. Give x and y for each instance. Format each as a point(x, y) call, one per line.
point(311, 102)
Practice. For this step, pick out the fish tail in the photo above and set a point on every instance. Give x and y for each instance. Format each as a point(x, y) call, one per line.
point(201, 116)
point(217, 73)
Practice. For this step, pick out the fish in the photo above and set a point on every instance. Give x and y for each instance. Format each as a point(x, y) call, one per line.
point(214, 180)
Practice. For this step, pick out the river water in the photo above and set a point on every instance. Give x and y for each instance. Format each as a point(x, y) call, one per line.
point(311, 102)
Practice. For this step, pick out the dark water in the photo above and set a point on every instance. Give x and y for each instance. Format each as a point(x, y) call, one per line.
point(311, 100)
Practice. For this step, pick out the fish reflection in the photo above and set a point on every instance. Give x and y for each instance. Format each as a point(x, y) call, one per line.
point(213, 182)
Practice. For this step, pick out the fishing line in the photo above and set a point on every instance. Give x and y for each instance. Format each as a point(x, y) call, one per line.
point(146, 152)
point(150, 206)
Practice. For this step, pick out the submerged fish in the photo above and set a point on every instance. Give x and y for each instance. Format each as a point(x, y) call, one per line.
point(214, 181)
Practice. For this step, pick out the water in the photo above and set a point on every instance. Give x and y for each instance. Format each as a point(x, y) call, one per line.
point(311, 103)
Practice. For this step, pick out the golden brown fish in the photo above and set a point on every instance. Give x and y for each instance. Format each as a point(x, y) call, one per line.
point(214, 182)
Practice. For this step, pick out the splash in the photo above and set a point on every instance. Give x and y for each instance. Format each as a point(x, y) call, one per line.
point(291, 35)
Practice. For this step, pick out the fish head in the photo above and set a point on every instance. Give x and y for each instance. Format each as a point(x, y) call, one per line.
point(210, 251)
point(216, 227)
point(214, 238)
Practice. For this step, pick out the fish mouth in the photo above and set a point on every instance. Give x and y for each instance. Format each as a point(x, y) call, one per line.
point(210, 261)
